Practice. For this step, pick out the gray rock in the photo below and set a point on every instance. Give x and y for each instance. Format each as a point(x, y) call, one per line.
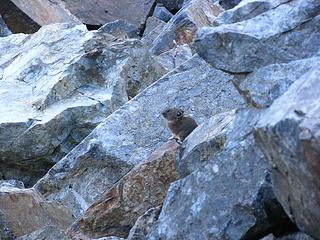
point(56, 86)
point(293, 236)
point(120, 29)
point(227, 4)
point(162, 13)
point(182, 28)
point(4, 30)
point(175, 57)
point(247, 9)
point(276, 36)
point(288, 132)
point(135, 130)
point(228, 198)
point(46, 233)
point(263, 86)
point(204, 143)
point(172, 5)
point(144, 224)
point(151, 24)
point(11, 183)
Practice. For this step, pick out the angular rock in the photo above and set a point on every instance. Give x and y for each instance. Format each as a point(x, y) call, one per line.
point(144, 224)
point(277, 36)
point(181, 29)
point(4, 30)
point(175, 57)
point(289, 134)
point(11, 183)
point(131, 133)
point(227, 4)
point(162, 13)
point(260, 88)
point(151, 24)
point(45, 12)
point(24, 211)
point(172, 5)
point(120, 29)
point(294, 236)
point(204, 143)
point(56, 86)
point(16, 20)
point(46, 233)
point(101, 12)
point(247, 9)
point(144, 187)
point(229, 198)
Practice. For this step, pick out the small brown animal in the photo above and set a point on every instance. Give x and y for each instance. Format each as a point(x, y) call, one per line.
point(179, 124)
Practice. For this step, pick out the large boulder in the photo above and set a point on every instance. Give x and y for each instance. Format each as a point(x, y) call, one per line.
point(290, 136)
point(56, 86)
point(24, 211)
point(102, 11)
point(261, 87)
point(181, 29)
point(276, 36)
point(144, 187)
point(45, 12)
point(131, 133)
point(228, 198)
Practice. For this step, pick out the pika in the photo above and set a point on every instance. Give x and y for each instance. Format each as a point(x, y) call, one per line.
point(179, 124)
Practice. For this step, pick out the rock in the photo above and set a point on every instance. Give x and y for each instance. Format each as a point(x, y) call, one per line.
point(227, 4)
point(16, 20)
point(162, 13)
point(260, 88)
point(288, 132)
point(120, 29)
point(204, 143)
point(175, 57)
point(151, 24)
point(247, 9)
point(144, 224)
point(229, 198)
point(24, 211)
point(144, 187)
point(4, 30)
point(135, 130)
point(172, 5)
point(11, 183)
point(297, 236)
point(277, 36)
point(182, 28)
point(45, 12)
point(56, 86)
point(101, 12)
point(45, 233)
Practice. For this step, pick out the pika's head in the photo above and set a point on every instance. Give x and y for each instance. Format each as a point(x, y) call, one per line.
point(173, 114)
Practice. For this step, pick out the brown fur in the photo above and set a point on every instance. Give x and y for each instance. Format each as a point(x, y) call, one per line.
point(179, 124)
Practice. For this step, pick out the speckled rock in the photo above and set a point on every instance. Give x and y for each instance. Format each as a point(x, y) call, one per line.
point(181, 29)
point(11, 183)
point(276, 36)
point(135, 130)
point(24, 211)
point(46, 233)
point(162, 13)
point(144, 187)
point(229, 198)
point(120, 29)
point(289, 134)
point(4, 30)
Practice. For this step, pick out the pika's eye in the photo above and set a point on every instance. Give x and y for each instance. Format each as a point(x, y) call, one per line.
point(178, 114)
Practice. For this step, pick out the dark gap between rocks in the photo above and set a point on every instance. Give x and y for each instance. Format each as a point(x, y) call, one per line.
point(143, 26)
point(91, 27)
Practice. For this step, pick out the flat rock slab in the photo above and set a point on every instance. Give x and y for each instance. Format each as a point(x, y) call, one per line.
point(24, 211)
point(103, 11)
point(131, 133)
point(289, 134)
point(276, 36)
point(144, 187)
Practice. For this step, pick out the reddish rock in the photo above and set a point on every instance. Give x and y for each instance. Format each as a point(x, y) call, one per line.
point(144, 187)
